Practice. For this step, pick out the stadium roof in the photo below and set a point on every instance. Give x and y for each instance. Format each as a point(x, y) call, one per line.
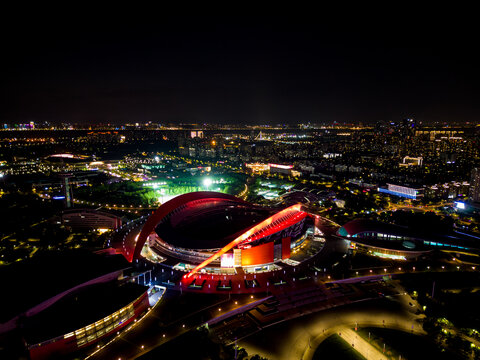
point(173, 205)
point(209, 225)
point(365, 225)
point(30, 282)
point(80, 309)
point(453, 239)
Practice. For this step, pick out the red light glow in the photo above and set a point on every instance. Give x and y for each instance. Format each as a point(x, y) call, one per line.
point(268, 227)
point(281, 166)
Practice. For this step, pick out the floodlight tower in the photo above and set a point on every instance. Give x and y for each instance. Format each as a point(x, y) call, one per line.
point(207, 182)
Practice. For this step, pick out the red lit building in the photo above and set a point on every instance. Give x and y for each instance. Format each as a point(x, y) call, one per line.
point(280, 169)
point(78, 321)
point(219, 230)
point(68, 301)
point(90, 219)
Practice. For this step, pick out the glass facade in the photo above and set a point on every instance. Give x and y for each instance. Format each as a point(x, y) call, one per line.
point(102, 327)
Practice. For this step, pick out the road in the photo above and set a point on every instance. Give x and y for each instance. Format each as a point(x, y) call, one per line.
point(295, 341)
point(32, 225)
point(171, 318)
point(425, 208)
point(298, 338)
point(359, 344)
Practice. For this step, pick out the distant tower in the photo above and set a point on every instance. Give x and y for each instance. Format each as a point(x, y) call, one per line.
point(475, 185)
point(259, 136)
point(67, 190)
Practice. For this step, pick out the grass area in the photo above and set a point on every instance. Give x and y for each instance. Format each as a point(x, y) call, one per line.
point(456, 296)
point(407, 345)
point(194, 344)
point(335, 347)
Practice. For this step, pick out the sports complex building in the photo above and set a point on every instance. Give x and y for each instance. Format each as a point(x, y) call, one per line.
point(59, 303)
point(401, 243)
point(210, 232)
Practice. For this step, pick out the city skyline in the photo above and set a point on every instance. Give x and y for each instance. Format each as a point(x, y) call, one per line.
point(239, 187)
point(238, 234)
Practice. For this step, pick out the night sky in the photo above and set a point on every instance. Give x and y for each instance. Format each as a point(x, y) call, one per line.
point(243, 70)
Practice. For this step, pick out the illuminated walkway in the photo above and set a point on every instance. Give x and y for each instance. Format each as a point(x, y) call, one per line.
point(300, 337)
point(361, 345)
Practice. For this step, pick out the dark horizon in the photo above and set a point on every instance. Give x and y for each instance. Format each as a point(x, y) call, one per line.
point(245, 71)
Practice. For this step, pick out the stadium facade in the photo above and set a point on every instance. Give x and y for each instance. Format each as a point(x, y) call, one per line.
point(401, 243)
point(221, 231)
point(68, 301)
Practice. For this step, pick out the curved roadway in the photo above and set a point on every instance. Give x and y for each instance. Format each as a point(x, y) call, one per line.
point(299, 338)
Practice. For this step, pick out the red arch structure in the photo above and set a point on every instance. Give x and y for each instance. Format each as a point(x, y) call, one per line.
point(170, 206)
point(247, 234)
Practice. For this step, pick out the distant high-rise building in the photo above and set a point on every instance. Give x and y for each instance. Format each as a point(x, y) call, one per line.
point(403, 191)
point(412, 161)
point(475, 185)
point(196, 133)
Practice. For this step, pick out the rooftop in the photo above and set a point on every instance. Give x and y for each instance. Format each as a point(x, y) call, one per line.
point(30, 282)
point(80, 309)
point(209, 225)
point(428, 236)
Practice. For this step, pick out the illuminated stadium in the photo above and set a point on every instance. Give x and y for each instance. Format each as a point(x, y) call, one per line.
point(219, 233)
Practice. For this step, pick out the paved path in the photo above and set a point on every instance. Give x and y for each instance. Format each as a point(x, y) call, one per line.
point(299, 338)
point(362, 346)
point(154, 329)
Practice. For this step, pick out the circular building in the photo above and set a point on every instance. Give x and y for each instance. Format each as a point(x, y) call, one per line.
point(401, 243)
point(59, 302)
point(213, 231)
